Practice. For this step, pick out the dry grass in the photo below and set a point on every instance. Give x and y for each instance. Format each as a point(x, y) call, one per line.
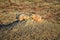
point(29, 29)
point(7, 18)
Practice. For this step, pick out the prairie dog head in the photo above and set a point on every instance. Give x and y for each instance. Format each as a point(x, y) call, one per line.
point(23, 17)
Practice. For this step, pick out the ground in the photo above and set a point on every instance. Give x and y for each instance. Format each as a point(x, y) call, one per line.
point(13, 29)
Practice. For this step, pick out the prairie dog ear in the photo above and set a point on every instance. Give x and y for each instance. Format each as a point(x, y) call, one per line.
point(17, 16)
